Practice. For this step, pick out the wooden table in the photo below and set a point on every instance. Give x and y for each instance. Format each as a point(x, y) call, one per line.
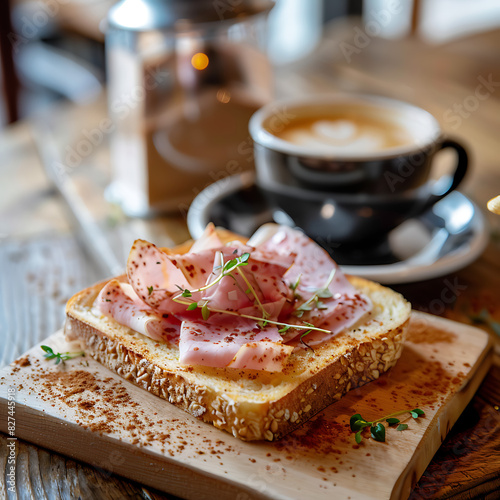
point(42, 263)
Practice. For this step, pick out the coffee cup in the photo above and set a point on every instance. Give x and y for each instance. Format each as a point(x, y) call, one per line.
point(350, 168)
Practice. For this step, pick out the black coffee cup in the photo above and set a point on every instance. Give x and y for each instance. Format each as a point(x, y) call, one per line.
point(350, 168)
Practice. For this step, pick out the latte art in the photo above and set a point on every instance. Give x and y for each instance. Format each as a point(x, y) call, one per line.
point(346, 135)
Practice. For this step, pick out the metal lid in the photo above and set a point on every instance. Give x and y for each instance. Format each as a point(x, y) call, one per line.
point(144, 15)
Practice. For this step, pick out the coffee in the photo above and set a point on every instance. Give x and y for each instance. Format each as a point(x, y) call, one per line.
point(350, 168)
point(347, 131)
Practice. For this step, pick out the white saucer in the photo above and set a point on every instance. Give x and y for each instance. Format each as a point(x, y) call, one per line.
point(417, 245)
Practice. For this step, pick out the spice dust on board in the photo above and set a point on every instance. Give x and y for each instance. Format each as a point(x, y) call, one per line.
point(104, 405)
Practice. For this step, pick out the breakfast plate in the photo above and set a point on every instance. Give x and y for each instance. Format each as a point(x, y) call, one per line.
point(446, 238)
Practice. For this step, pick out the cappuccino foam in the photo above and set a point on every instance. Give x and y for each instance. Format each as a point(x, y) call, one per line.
point(346, 134)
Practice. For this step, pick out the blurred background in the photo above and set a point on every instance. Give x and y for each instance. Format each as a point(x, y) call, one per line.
point(53, 50)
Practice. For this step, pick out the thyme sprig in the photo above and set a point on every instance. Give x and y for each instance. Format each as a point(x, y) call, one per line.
point(227, 269)
point(314, 301)
point(377, 429)
point(294, 286)
point(285, 326)
point(60, 357)
point(265, 314)
point(311, 327)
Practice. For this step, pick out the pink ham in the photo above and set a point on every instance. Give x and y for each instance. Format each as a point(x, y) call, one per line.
point(263, 355)
point(198, 267)
point(157, 276)
point(117, 300)
point(310, 261)
point(313, 267)
point(216, 343)
point(208, 240)
point(152, 273)
point(273, 309)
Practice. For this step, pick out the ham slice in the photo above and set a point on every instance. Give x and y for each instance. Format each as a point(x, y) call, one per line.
point(312, 269)
point(153, 274)
point(157, 277)
point(310, 261)
point(119, 301)
point(216, 342)
point(256, 355)
point(208, 240)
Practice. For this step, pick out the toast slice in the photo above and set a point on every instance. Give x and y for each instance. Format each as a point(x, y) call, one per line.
point(250, 404)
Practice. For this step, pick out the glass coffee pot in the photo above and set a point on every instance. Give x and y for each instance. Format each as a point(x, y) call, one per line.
point(184, 77)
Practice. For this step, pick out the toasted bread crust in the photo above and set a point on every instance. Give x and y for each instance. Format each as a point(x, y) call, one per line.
point(310, 381)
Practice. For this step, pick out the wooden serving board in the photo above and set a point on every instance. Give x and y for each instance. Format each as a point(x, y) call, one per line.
point(85, 411)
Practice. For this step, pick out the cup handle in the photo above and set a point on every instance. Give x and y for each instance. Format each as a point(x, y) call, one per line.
point(458, 175)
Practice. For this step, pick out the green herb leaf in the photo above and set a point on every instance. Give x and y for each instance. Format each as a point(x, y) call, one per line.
point(357, 425)
point(358, 437)
point(229, 264)
point(205, 312)
point(186, 293)
point(314, 301)
point(192, 307)
point(284, 329)
point(244, 258)
point(324, 293)
point(378, 432)
point(354, 419)
point(58, 356)
point(150, 290)
point(305, 307)
point(377, 428)
point(294, 286)
point(392, 421)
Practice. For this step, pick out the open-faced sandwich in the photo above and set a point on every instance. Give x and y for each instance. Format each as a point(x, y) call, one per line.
point(252, 336)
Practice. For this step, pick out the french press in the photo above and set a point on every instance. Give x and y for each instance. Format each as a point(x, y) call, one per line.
point(184, 77)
